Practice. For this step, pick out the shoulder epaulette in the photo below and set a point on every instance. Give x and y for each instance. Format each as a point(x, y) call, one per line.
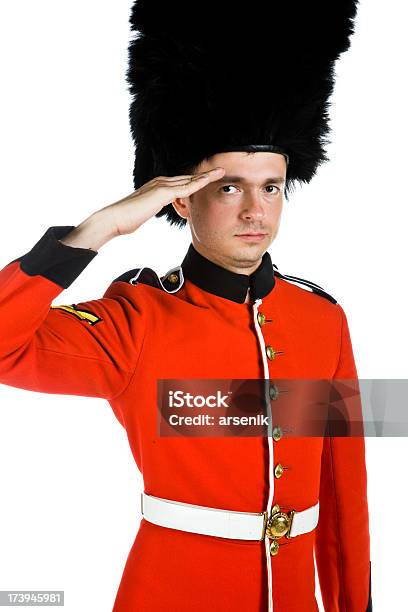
point(309, 284)
point(170, 282)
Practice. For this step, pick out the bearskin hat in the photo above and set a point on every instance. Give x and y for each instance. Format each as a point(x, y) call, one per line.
point(222, 76)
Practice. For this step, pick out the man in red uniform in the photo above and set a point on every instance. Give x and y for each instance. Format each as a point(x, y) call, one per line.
point(217, 512)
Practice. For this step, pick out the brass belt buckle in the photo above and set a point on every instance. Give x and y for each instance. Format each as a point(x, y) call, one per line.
point(278, 524)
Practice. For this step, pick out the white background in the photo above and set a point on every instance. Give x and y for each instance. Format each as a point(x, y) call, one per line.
point(69, 489)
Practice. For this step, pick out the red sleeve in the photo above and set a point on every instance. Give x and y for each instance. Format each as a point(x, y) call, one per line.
point(90, 348)
point(342, 546)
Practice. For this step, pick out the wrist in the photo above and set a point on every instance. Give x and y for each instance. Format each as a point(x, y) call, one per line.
point(95, 231)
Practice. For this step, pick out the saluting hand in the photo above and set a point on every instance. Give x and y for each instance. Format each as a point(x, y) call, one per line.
point(126, 215)
point(133, 210)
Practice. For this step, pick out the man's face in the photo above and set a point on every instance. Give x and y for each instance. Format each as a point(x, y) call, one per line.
point(247, 198)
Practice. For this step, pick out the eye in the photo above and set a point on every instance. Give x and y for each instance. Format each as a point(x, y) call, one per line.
point(275, 187)
point(226, 187)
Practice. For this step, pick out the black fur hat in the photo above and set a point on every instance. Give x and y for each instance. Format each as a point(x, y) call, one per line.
point(216, 76)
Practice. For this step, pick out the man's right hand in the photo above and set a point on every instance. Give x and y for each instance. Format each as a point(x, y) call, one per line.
point(126, 215)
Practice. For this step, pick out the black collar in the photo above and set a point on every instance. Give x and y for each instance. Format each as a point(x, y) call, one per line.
point(222, 282)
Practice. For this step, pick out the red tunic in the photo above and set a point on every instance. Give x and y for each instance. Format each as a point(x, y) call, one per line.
point(117, 347)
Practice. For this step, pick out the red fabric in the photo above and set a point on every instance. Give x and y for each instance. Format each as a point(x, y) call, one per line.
point(146, 334)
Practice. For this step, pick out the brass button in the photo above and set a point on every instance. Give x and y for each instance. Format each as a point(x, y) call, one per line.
point(277, 433)
point(274, 548)
point(173, 278)
point(278, 470)
point(273, 391)
point(261, 318)
point(271, 353)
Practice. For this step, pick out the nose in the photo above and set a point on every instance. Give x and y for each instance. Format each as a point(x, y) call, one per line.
point(253, 207)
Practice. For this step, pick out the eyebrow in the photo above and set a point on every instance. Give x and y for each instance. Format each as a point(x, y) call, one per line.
point(241, 179)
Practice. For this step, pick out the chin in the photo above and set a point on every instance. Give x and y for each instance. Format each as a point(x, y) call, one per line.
point(250, 251)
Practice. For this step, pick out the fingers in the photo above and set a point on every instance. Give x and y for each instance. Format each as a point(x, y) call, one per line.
point(186, 178)
point(170, 187)
point(197, 182)
point(212, 174)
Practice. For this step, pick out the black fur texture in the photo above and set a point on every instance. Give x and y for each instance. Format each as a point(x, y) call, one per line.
point(207, 75)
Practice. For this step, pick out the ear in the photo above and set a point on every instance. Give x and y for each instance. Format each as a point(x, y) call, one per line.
point(181, 207)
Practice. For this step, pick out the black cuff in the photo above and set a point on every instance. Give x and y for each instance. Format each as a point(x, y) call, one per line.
point(58, 262)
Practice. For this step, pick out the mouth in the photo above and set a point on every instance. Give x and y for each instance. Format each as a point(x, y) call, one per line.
point(251, 236)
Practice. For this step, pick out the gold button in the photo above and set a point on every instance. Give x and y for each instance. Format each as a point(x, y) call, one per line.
point(277, 433)
point(278, 470)
point(273, 391)
point(261, 318)
point(173, 278)
point(274, 548)
point(270, 352)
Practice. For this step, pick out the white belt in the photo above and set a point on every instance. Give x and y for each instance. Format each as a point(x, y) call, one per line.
point(228, 523)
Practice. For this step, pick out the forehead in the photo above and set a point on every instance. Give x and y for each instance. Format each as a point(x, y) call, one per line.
point(258, 164)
